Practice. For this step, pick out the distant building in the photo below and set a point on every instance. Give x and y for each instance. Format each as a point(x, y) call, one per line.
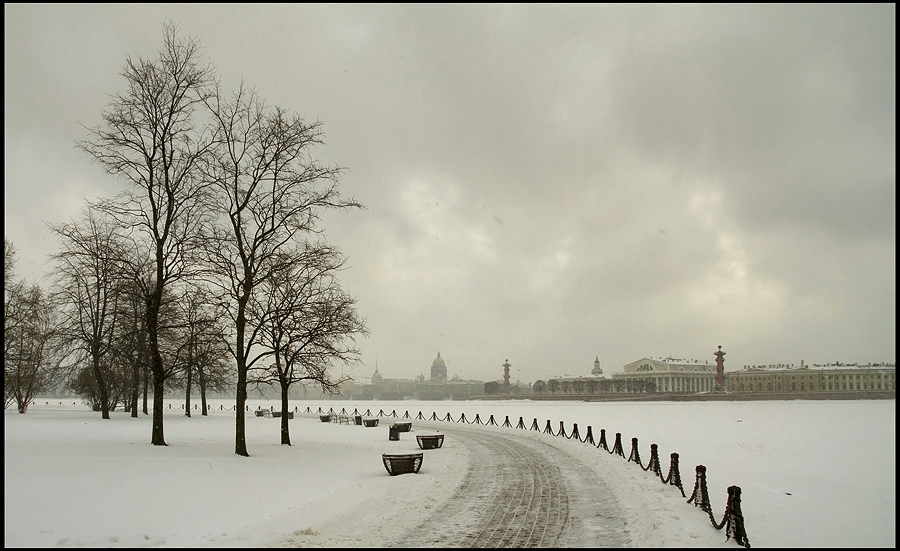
point(826, 379)
point(438, 370)
point(437, 387)
point(671, 375)
point(595, 383)
point(597, 372)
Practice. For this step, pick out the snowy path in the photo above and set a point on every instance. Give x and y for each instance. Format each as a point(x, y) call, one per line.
point(518, 492)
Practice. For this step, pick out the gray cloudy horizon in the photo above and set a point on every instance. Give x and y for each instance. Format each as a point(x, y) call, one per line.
point(544, 183)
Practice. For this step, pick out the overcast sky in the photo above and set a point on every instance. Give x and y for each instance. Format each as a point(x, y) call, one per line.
point(544, 183)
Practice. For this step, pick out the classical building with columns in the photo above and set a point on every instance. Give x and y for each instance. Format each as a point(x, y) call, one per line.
point(671, 375)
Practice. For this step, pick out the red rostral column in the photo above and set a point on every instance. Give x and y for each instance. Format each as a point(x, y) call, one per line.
point(506, 366)
point(720, 370)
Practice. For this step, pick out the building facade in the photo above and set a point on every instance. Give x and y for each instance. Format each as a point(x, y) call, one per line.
point(781, 379)
point(671, 375)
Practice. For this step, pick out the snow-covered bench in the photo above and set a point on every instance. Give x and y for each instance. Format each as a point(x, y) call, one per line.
point(430, 441)
point(402, 463)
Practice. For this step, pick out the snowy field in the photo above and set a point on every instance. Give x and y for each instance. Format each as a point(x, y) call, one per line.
point(812, 473)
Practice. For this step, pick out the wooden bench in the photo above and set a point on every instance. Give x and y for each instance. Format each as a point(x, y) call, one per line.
point(403, 427)
point(325, 418)
point(370, 422)
point(344, 419)
point(402, 463)
point(430, 441)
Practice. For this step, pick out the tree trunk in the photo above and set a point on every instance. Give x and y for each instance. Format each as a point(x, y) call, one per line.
point(158, 436)
point(285, 433)
point(187, 394)
point(240, 439)
point(101, 386)
point(136, 378)
point(146, 385)
point(240, 442)
point(202, 384)
point(143, 361)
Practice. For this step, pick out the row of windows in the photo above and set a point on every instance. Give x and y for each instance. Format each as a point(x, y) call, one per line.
point(871, 381)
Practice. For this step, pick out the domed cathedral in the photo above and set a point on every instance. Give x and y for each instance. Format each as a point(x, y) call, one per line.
point(438, 370)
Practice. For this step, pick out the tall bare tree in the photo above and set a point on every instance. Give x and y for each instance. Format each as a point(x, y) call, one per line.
point(310, 323)
point(269, 192)
point(150, 137)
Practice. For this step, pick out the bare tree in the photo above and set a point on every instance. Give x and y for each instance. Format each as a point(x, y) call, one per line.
point(29, 352)
point(88, 284)
point(553, 386)
point(270, 192)
point(206, 350)
point(9, 264)
point(130, 343)
point(10, 314)
point(150, 138)
point(310, 322)
point(213, 363)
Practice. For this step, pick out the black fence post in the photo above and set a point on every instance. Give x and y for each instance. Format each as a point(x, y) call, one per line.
point(635, 454)
point(700, 495)
point(589, 437)
point(654, 461)
point(734, 519)
point(617, 447)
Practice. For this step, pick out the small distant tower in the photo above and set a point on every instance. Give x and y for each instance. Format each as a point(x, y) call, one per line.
point(720, 370)
point(506, 366)
point(596, 371)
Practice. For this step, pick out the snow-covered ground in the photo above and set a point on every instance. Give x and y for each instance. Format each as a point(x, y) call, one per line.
point(812, 473)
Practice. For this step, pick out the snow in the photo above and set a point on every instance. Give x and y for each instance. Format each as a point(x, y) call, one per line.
point(812, 473)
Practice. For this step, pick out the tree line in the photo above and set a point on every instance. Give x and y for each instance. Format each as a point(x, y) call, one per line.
point(209, 269)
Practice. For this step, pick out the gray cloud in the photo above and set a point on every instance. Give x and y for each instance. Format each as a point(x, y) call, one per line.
point(544, 183)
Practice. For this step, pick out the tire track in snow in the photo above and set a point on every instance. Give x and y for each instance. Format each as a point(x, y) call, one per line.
point(518, 492)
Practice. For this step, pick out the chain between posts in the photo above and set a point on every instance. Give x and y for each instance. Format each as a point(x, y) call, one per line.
point(732, 520)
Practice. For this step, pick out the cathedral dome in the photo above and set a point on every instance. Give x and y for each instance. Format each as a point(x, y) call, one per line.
point(438, 369)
